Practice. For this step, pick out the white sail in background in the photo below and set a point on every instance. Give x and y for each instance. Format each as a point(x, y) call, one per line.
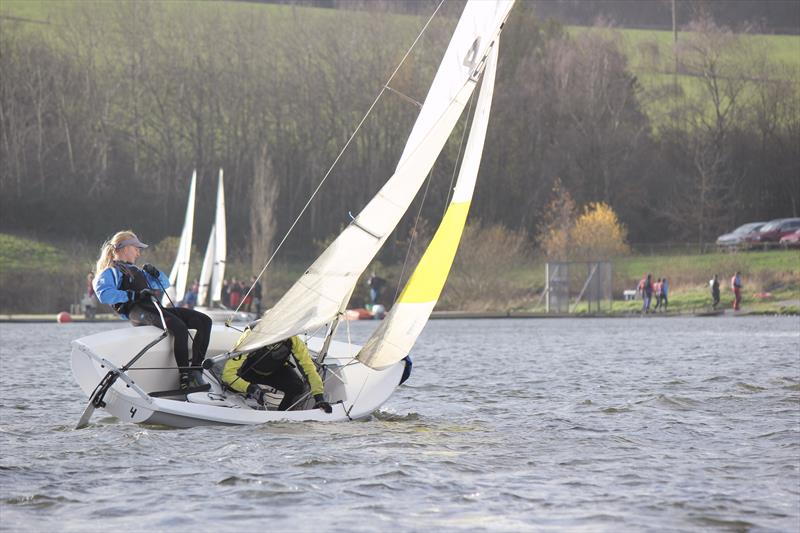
point(213, 271)
point(206, 270)
point(179, 275)
point(220, 244)
point(399, 330)
point(317, 296)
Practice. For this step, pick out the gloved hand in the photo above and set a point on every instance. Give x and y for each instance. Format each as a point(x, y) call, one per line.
point(322, 404)
point(143, 295)
point(256, 392)
point(150, 269)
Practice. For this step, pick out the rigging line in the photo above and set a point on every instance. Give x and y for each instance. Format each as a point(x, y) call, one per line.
point(352, 136)
point(190, 367)
point(460, 154)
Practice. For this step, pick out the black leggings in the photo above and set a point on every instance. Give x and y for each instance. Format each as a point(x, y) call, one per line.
point(179, 321)
point(284, 379)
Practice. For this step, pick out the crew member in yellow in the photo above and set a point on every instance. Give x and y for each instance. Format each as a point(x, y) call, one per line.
point(271, 365)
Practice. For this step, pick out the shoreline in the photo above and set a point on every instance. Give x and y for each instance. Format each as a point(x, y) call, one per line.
point(447, 315)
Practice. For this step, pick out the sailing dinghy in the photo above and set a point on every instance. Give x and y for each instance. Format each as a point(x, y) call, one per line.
point(123, 370)
point(212, 274)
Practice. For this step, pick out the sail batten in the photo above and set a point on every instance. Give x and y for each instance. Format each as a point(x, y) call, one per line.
point(315, 298)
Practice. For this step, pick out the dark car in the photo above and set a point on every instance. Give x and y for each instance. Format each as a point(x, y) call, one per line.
point(737, 236)
point(792, 240)
point(773, 230)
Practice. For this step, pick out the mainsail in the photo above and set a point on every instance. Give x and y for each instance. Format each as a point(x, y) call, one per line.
point(316, 298)
point(213, 270)
point(179, 274)
point(399, 330)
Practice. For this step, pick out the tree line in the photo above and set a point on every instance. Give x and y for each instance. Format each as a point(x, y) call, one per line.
point(106, 110)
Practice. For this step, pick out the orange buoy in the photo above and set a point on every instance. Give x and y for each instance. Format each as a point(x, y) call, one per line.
point(63, 317)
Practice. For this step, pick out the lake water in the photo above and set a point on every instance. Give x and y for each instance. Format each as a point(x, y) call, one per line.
point(637, 424)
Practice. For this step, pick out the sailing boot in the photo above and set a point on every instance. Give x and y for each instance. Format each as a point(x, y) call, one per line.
point(196, 378)
point(184, 381)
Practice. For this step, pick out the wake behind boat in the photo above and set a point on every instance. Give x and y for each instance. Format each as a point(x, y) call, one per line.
point(130, 372)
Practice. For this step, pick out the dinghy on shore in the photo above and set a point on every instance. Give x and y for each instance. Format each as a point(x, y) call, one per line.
point(131, 372)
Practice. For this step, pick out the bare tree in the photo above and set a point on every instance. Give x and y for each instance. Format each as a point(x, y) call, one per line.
point(262, 212)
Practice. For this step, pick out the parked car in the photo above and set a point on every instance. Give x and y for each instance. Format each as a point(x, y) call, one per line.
point(773, 230)
point(792, 240)
point(737, 236)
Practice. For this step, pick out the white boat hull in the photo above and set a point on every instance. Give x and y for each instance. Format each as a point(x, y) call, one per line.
point(354, 390)
point(220, 315)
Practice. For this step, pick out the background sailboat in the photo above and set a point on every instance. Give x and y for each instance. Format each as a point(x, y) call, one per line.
point(212, 274)
point(213, 271)
point(179, 275)
point(357, 381)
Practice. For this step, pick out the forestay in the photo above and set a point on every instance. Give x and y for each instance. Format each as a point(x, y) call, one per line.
point(179, 275)
point(317, 296)
point(399, 330)
point(213, 270)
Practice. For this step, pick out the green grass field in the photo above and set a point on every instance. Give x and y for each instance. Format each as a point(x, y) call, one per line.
point(650, 58)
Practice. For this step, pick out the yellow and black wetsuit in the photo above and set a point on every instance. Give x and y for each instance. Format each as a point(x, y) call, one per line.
point(282, 378)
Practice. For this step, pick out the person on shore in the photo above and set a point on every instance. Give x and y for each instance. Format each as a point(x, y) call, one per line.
point(657, 294)
point(647, 292)
point(664, 293)
point(90, 285)
point(256, 294)
point(190, 298)
point(736, 286)
point(226, 293)
point(235, 291)
point(714, 283)
point(247, 296)
point(89, 302)
point(376, 284)
point(270, 365)
point(130, 291)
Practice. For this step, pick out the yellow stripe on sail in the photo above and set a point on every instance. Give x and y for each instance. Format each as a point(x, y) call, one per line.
point(428, 279)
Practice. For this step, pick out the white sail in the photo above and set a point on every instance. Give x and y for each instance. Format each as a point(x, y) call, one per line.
point(213, 271)
point(220, 244)
point(205, 272)
point(399, 330)
point(317, 296)
point(179, 275)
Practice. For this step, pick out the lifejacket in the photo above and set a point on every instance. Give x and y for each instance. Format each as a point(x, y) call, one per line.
point(265, 360)
point(133, 280)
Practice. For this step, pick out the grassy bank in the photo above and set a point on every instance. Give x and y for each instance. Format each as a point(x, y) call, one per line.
point(39, 277)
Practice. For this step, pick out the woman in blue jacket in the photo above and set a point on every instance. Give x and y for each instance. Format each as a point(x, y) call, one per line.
point(129, 290)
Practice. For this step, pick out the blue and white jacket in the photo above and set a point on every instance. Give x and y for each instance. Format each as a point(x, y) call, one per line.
point(109, 285)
